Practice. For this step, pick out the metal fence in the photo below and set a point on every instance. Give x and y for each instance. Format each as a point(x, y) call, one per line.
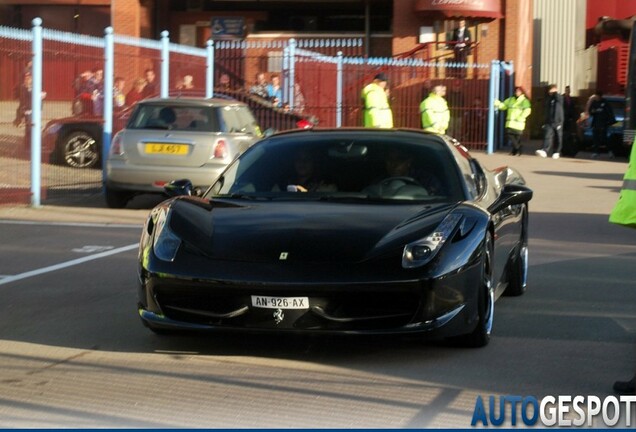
point(54, 151)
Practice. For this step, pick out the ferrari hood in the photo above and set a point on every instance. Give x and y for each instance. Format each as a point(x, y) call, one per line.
point(309, 232)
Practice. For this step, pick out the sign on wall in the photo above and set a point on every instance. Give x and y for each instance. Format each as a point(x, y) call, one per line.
point(228, 27)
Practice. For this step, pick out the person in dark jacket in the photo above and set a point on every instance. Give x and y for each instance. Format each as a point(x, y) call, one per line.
point(570, 116)
point(602, 118)
point(553, 124)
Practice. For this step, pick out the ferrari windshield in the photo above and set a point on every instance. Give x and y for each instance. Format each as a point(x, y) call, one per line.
point(332, 168)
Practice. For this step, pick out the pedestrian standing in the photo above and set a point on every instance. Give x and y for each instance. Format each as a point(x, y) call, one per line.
point(518, 109)
point(553, 124)
point(602, 118)
point(570, 116)
point(150, 86)
point(377, 112)
point(461, 47)
point(119, 96)
point(275, 91)
point(434, 111)
point(624, 213)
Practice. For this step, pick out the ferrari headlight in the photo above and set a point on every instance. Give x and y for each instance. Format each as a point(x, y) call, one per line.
point(421, 252)
point(166, 243)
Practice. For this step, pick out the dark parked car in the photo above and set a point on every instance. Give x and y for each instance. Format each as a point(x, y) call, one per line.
point(582, 141)
point(76, 141)
point(339, 231)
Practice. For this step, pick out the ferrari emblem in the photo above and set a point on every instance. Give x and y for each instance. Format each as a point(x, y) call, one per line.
point(283, 256)
point(279, 316)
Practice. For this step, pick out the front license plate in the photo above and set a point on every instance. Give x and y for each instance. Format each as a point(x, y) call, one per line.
point(280, 302)
point(169, 149)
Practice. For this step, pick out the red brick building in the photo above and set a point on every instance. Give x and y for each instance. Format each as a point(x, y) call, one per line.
point(388, 27)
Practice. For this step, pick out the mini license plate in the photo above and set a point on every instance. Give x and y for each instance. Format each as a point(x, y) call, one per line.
point(169, 149)
point(280, 302)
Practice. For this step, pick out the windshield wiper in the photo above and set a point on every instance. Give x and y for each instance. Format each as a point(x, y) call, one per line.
point(346, 197)
point(245, 196)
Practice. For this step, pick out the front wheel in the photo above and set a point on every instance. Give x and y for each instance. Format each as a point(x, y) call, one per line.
point(518, 265)
point(78, 149)
point(480, 336)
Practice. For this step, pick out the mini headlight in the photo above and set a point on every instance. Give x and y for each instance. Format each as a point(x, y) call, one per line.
point(166, 243)
point(421, 252)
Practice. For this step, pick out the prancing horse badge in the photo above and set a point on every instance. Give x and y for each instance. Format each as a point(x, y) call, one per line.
point(279, 316)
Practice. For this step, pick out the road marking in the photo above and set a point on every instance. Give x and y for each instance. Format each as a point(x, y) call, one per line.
point(66, 264)
point(73, 224)
point(92, 249)
point(628, 324)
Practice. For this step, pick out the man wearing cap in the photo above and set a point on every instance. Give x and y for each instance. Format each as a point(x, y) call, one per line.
point(377, 112)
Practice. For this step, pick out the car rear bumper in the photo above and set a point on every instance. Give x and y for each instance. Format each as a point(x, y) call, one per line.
point(122, 176)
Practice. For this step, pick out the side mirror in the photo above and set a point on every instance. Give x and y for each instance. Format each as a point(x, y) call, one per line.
point(512, 194)
point(179, 188)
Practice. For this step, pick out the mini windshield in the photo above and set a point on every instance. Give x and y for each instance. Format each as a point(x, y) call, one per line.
point(342, 169)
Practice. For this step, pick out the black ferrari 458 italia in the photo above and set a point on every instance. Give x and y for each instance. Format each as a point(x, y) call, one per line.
point(353, 231)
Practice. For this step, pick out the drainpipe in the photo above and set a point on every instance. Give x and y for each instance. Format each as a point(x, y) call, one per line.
point(367, 28)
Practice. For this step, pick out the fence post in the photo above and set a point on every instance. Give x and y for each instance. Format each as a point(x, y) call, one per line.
point(292, 71)
point(165, 63)
point(36, 114)
point(109, 70)
point(493, 85)
point(285, 72)
point(339, 89)
point(209, 78)
point(506, 89)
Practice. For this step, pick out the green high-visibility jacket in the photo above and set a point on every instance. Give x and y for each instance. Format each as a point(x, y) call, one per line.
point(377, 112)
point(518, 111)
point(624, 211)
point(435, 114)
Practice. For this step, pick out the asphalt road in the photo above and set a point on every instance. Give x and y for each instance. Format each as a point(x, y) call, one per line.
point(74, 354)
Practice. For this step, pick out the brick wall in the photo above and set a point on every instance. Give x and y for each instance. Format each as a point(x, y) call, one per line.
point(500, 39)
point(127, 17)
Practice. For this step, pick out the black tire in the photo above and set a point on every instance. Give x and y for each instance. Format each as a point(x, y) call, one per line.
point(117, 199)
point(518, 265)
point(480, 336)
point(78, 149)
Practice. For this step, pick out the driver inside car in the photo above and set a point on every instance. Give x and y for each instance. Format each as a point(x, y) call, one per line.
point(402, 171)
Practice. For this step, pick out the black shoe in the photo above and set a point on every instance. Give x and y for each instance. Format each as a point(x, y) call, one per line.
point(625, 387)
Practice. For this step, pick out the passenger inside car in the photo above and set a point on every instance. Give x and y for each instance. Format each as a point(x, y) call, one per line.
point(307, 176)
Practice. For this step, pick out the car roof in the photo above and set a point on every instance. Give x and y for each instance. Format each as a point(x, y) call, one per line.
point(362, 133)
point(192, 101)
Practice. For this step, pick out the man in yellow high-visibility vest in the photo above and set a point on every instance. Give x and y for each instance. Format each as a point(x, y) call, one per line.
point(519, 108)
point(434, 111)
point(624, 213)
point(377, 112)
